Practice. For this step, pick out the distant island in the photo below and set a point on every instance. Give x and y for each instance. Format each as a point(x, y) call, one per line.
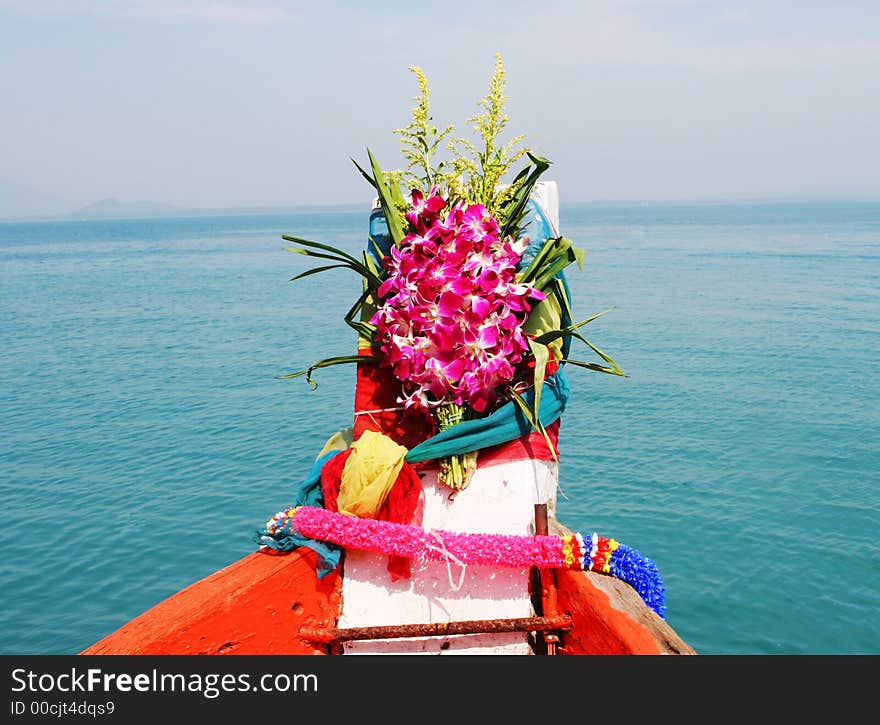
point(112, 208)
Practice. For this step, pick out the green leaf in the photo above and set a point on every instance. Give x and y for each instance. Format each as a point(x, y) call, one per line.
point(562, 296)
point(548, 251)
point(532, 416)
point(615, 369)
point(552, 335)
point(541, 353)
point(370, 260)
point(364, 329)
point(596, 367)
point(328, 362)
point(553, 257)
point(389, 197)
point(316, 270)
point(559, 264)
point(318, 245)
point(514, 210)
point(528, 412)
point(612, 368)
point(336, 255)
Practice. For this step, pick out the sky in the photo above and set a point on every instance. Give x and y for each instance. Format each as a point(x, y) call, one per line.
point(204, 104)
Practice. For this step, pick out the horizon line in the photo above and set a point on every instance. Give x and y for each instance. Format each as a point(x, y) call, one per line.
point(162, 209)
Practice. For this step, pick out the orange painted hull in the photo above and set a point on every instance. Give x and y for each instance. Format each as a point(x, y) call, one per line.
point(259, 604)
point(254, 606)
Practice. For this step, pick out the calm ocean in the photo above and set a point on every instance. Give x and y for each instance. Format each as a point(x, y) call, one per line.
point(146, 435)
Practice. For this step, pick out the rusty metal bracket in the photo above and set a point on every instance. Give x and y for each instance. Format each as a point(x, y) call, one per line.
point(331, 635)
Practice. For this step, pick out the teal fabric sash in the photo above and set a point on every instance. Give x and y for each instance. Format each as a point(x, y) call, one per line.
point(308, 494)
point(505, 424)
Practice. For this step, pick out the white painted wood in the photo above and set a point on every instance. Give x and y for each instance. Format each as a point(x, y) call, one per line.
point(500, 499)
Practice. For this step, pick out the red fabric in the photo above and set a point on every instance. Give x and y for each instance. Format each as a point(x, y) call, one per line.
point(377, 409)
point(331, 479)
point(532, 446)
point(377, 390)
point(403, 505)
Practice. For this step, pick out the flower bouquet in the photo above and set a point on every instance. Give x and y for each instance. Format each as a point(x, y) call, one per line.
point(451, 306)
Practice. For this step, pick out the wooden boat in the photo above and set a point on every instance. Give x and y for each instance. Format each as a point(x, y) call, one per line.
point(273, 603)
point(283, 602)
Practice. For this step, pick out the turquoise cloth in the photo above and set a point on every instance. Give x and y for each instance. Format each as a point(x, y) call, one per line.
point(308, 494)
point(505, 424)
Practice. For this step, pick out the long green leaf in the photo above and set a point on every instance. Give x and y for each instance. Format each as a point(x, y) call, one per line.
point(316, 270)
point(528, 412)
point(370, 260)
point(553, 250)
point(392, 203)
point(388, 197)
point(317, 245)
point(596, 367)
point(613, 368)
point(366, 175)
point(514, 210)
point(572, 254)
point(364, 329)
point(541, 353)
point(552, 335)
point(328, 362)
point(355, 265)
point(532, 416)
point(562, 296)
point(547, 251)
point(376, 248)
point(322, 255)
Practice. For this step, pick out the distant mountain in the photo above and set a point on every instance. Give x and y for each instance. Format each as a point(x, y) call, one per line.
point(113, 208)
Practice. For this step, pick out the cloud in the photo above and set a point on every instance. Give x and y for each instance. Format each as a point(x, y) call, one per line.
point(616, 44)
point(197, 10)
point(707, 37)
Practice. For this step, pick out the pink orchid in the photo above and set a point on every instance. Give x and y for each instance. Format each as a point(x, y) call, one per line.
point(425, 210)
point(451, 313)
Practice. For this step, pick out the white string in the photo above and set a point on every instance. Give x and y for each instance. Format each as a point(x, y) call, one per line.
point(379, 410)
point(447, 557)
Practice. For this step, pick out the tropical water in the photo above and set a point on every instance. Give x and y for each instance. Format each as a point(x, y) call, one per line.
point(147, 435)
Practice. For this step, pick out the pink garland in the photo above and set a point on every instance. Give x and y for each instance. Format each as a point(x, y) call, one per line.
point(287, 529)
point(563, 551)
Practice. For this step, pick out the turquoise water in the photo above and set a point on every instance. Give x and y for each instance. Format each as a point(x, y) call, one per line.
point(146, 435)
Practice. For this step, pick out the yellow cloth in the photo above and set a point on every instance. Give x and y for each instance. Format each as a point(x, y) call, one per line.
point(368, 475)
point(339, 441)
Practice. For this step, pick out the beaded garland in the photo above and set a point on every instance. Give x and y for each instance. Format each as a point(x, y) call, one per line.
point(564, 551)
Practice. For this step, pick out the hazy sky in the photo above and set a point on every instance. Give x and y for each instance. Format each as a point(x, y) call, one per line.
point(213, 104)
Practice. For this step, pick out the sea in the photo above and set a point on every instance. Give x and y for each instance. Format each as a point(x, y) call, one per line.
point(148, 431)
